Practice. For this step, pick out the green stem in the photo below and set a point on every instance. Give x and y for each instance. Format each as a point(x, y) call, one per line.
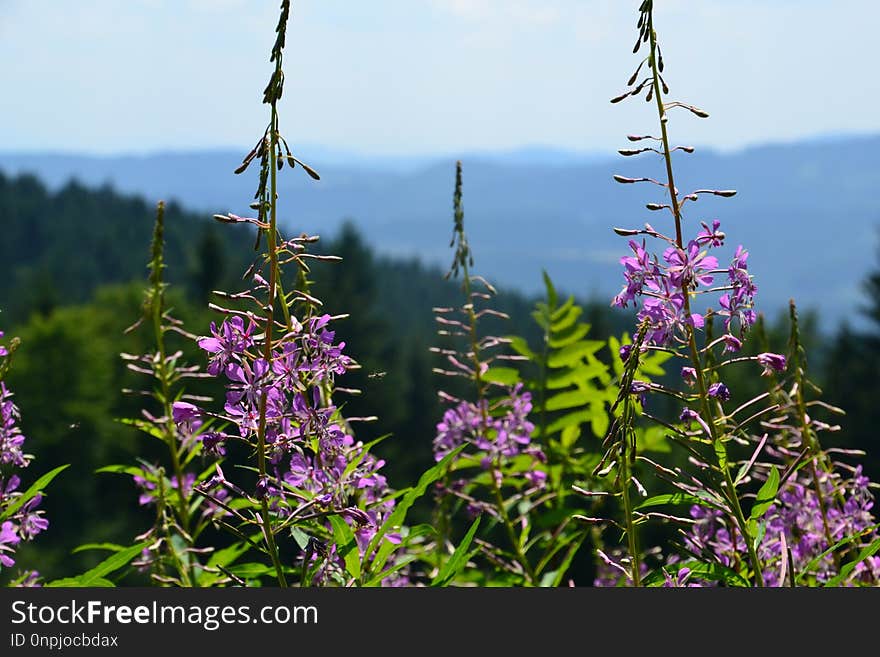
point(531, 577)
point(717, 440)
point(481, 394)
point(187, 575)
point(631, 537)
point(268, 533)
point(161, 370)
point(808, 438)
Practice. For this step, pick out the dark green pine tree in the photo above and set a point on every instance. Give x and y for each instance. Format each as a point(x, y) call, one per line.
point(852, 383)
point(208, 271)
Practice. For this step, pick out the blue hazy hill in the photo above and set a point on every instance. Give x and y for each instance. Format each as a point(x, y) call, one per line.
point(808, 212)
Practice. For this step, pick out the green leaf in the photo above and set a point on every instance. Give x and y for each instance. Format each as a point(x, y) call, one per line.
point(346, 545)
point(573, 353)
point(520, 346)
point(566, 562)
point(95, 576)
point(579, 375)
point(712, 572)
point(650, 363)
point(766, 496)
point(400, 563)
point(845, 571)
point(302, 539)
point(251, 570)
point(844, 541)
point(35, 489)
point(599, 422)
point(671, 499)
point(459, 558)
point(575, 418)
point(570, 435)
point(113, 547)
point(563, 321)
point(569, 337)
point(396, 517)
point(228, 554)
point(552, 297)
point(652, 439)
point(146, 427)
point(224, 558)
point(562, 311)
point(504, 375)
point(132, 470)
point(569, 399)
point(362, 455)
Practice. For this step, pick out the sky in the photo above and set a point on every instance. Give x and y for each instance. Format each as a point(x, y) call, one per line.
point(416, 77)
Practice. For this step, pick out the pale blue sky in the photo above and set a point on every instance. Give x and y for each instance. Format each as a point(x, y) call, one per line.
point(426, 76)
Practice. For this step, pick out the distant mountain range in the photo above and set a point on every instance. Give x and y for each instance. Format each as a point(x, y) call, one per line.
point(808, 212)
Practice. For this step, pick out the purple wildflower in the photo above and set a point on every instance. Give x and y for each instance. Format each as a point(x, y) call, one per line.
point(8, 539)
point(689, 375)
point(639, 270)
point(719, 391)
point(770, 363)
point(689, 268)
point(732, 343)
point(11, 438)
point(711, 237)
point(229, 340)
point(500, 433)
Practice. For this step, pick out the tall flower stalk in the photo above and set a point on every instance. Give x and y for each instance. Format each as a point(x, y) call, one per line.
point(181, 514)
point(279, 355)
point(668, 287)
point(496, 429)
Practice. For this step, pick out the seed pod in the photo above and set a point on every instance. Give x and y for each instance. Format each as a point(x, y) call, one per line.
point(309, 170)
point(632, 79)
point(654, 206)
point(619, 98)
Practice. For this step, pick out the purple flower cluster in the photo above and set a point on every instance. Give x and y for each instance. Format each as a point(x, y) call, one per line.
point(500, 432)
point(663, 285)
point(28, 520)
point(795, 522)
point(11, 438)
point(312, 458)
point(736, 305)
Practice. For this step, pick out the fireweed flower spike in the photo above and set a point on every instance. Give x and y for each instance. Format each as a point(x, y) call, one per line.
point(279, 359)
point(172, 556)
point(495, 430)
point(666, 283)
